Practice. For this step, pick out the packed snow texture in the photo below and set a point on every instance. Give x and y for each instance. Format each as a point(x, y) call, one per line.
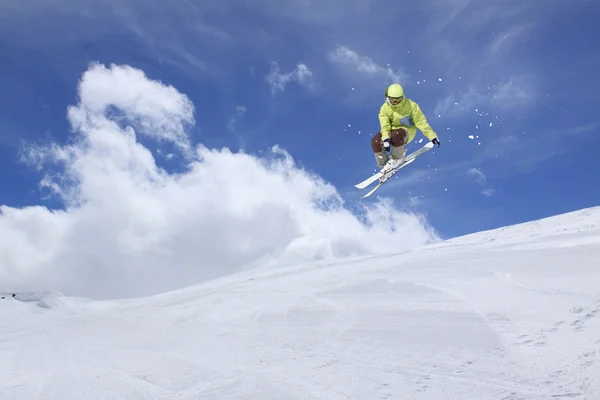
point(512, 313)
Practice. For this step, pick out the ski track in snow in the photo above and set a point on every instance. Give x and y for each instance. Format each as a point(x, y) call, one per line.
point(511, 314)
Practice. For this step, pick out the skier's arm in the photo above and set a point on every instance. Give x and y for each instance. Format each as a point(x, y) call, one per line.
point(421, 122)
point(385, 123)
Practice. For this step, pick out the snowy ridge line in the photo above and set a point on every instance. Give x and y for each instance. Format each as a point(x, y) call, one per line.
point(563, 224)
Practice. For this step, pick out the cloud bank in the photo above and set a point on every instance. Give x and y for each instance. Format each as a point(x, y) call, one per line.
point(135, 224)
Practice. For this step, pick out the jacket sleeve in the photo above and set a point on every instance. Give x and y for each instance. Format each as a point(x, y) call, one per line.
point(421, 122)
point(385, 123)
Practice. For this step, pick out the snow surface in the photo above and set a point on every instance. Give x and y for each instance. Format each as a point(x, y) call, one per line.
point(507, 314)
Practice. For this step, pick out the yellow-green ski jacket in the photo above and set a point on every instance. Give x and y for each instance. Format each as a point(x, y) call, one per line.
point(408, 115)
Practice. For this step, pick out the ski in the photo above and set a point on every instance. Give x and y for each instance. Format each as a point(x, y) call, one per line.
point(387, 176)
point(407, 160)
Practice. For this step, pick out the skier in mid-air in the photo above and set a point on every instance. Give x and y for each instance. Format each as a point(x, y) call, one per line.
point(399, 119)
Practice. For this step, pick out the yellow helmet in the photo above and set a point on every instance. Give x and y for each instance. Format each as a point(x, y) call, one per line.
point(394, 90)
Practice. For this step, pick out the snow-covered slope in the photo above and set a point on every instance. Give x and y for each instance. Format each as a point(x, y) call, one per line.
point(507, 314)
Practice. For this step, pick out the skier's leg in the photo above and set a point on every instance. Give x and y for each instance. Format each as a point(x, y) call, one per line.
point(381, 156)
point(398, 139)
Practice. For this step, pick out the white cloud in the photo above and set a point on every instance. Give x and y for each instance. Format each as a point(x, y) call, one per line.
point(592, 127)
point(278, 81)
point(240, 111)
point(345, 56)
point(415, 201)
point(131, 228)
point(503, 42)
point(160, 111)
point(512, 92)
point(480, 179)
point(327, 13)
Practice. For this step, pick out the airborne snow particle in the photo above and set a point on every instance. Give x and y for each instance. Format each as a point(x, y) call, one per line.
point(490, 124)
point(440, 79)
point(471, 137)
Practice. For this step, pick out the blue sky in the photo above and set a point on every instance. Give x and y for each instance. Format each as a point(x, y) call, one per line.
point(510, 87)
